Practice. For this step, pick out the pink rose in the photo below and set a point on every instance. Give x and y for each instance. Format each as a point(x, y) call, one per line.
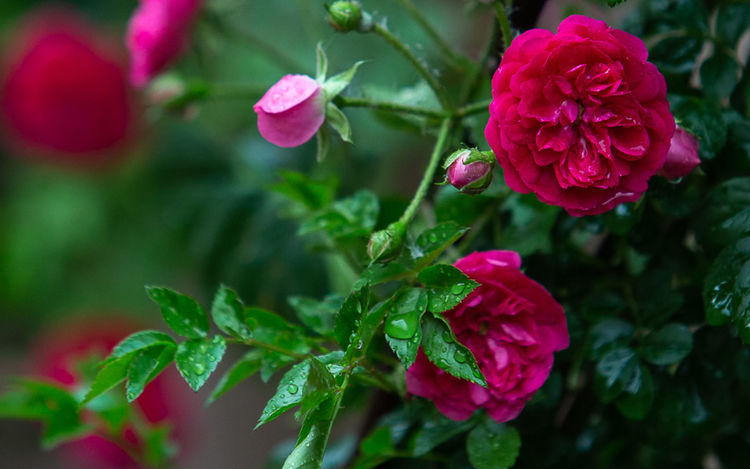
point(512, 325)
point(579, 118)
point(471, 178)
point(682, 157)
point(64, 94)
point(158, 32)
point(291, 111)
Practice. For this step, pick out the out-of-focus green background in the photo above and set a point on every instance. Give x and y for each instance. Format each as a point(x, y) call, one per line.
point(188, 208)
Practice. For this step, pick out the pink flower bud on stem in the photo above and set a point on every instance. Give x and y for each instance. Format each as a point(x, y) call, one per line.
point(682, 157)
point(469, 170)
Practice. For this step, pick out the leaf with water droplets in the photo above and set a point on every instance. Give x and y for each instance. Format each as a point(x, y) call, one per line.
point(227, 311)
point(492, 445)
point(668, 345)
point(319, 385)
point(726, 291)
point(350, 314)
point(319, 316)
point(444, 350)
point(313, 436)
point(196, 359)
point(242, 369)
point(181, 313)
point(139, 341)
point(432, 242)
point(145, 366)
point(446, 286)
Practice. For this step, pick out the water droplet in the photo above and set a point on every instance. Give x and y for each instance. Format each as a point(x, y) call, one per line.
point(477, 374)
point(360, 345)
point(460, 356)
point(442, 363)
point(292, 388)
point(432, 237)
point(199, 368)
point(401, 326)
point(131, 396)
point(458, 288)
point(447, 336)
point(211, 358)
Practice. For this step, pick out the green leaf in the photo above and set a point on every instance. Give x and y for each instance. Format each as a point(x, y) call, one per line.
point(726, 291)
point(196, 359)
point(139, 341)
point(145, 366)
point(270, 328)
point(726, 213)
point(382, 273)
point(530, 224)
point(321, 63)
point(242, 369)
point(719, 75)
point(464, 209)
point(609, 333)
point(227, 311)
point(319, 385)
point(351, 313)
point(444, 350)
point(349, 218)
point(676, 54)
point(311, 444)
point(110, 375)
point(446, 285)
point(319, 316)
point(288, 394)
point(406, 349)
point(434, 430)
point(181, 313)
point(493, 445)
point(336, 84)
point(338, 120)
point(636, 402)
point(432, 242)
point(406, 309)
point(323, 144)
point(616, 370)
point(731, 22)
point(159, 449)
point(312, 194)
point(705, 120)
point(668, 345)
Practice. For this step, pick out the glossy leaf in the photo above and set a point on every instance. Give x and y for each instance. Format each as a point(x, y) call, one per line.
point(319, 316)
point(636, 402)
point(311, 444)
point(443, 349)
point(313, 194)
point(351, 313)
point(446, 285)
point(242, 369)
point(405, 312)
point(337, 83)
point(615, 371)
point(145, 366)
point(726, 291)
point(432, 242)
point(227, 312)
point(607, 334)
point(181, 313)
point(196, 359)
point(139, 341)
point(668, 345)
point(491, 445)
point(338, 120)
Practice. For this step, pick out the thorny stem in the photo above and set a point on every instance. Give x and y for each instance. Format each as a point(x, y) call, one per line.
point(501, 9)
point(437, 88)
point(474, 108)
point(429, 173)
point(446, 49)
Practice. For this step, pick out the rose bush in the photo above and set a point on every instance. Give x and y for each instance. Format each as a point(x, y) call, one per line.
point(291, 111)
point(157, 34)
point(64, 91)
point(512, 325)
point(579, 118)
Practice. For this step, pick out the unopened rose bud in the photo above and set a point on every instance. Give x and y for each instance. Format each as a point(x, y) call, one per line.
point(291, 111)
point(386, 244)
point(682, 157)
point(345, 16)
point(469, 170)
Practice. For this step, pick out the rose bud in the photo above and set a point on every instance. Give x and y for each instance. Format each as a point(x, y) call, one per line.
point(345, 16)
point(64, 95)
point(58, 355)
point(682, 157)
point(470, 170)
point(291, 111)
point(580, 118)
point(386, 244)
point(511, 325)
point(158, 32)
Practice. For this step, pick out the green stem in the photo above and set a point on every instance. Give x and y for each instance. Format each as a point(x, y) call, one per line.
point(429, 173)
point(474, 108)
point(445, 48)
point(343, 101)
point(267, 346)
point(437, 88)
point(502, 18)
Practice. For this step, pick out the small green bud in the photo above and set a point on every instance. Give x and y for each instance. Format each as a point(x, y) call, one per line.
point(386, 244)
point(345, 16)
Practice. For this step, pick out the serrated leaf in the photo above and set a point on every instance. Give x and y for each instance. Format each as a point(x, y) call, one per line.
point(705, 120)
point(635, 403)
point(340, 123)
point(726, 291)
point(434, 430)
point(313, 194)
point(406, 349)
point(350, 218)
point(242, 369)
point(145, 366)
point(337, 83)
point(196, 359)
point(726, 213)
point(444, 350)
point(110, 375)
point(405, 311)
point(616, 370)
point(668, 345)
point(319, 316)
point(321, 63)
point(181, 313)
point(139, 341)
point(227, 311)
point(351, 313)
point(432, 242)
point(492, 445)
point(608, 333)
point(311, 444)
point(270, 328)
point(319, 385)
point(446, 286)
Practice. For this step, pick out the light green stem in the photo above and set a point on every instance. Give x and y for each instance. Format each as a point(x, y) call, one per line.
point(437, 88)
point(343, 101)
point(429, 173)
point(474, 108)
point(428, 28)
point(502, 18)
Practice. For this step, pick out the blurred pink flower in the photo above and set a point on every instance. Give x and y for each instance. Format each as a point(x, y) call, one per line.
point(291, 111)
point(579, 118)
point(158, 32)
point(512, 326)
point(682, 157)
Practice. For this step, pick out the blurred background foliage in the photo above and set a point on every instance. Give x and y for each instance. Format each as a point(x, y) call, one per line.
point(191, 208)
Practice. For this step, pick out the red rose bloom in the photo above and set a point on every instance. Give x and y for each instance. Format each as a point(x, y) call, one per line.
point(64, 93)
point(512, 325)
point(579, 118)
point(163, 400)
